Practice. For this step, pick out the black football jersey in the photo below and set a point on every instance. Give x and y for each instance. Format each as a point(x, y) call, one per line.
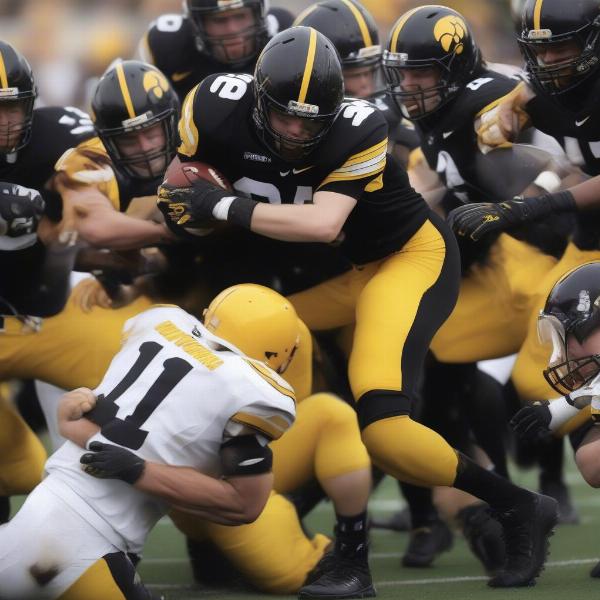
point(217, 127)
point(169, 45)
point(400, 131)
point(449, 141)
point(54, 130)
point(579, 135)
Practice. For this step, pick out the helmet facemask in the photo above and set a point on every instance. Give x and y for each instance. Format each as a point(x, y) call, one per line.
point(366, 63)
point(427, 100)
point(290, 149)
point(144, 165)
point(233, 49)
point(15, 133)
point(566, 374)
point(561, 77)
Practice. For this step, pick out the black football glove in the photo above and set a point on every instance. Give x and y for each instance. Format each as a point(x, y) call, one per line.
point(21, 209)
point(532, 422)
point(113, 462)
point(478, 219)
point(189, 207)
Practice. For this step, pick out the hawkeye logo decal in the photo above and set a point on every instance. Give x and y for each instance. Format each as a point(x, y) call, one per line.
point(155, 82)
point(451, 31)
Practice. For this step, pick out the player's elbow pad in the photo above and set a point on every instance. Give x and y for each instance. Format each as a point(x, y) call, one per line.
point(244, 455)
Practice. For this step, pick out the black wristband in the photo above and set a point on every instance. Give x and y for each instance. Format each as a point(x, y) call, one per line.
point(240, 212)
point(562, 201)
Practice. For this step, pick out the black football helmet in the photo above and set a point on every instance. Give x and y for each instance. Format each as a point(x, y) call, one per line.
point(16, 86)
point(354, 34)
point(133, 96)
point(545, 22)
point(297, 74)
point(255, 37)
point(572, 308)
point(430, 37)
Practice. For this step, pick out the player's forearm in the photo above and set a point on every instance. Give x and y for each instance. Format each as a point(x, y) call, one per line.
point(78, 432)
point(217, 499)
point(114, 230)
point(587, 194)
point(294, 223)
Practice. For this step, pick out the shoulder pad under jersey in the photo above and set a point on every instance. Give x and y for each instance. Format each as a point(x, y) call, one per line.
point(169, 44)
point(211, 109)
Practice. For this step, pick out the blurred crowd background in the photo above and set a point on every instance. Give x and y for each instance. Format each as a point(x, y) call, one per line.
point(69, 43)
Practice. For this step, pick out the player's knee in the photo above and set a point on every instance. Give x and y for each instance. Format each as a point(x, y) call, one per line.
point(587, 463)
point(331, 410)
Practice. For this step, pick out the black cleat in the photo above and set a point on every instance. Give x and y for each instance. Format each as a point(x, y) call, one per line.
point(527, 529)
point(427, 543)
point(567, 513)
point(484, 536)
point(595, 572)
point(398, 521)
point(336, 576)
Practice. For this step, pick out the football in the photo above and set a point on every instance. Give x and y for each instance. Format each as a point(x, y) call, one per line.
point(183, 175)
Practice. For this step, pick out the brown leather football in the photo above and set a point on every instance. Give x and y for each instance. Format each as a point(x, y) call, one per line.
point(184, 174)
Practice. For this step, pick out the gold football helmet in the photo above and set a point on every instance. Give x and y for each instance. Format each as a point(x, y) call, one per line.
point(258, 321)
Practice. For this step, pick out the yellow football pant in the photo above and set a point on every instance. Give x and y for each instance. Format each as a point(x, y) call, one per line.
point(494, 305)
point(72, 349)
point(397, 304)
point(113, 577)
point(527, 374)
point(22, 456)
point(273, 553)
point(323, 442)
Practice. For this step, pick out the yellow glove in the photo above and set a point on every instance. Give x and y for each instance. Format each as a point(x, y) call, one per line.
point(501, 125)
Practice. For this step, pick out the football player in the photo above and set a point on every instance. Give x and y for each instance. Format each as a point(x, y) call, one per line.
point(436, 75)
point(353, 31)
point(176, 381)
point(562, 53)
point(317, 169)
point(211, 36)
point(135, 111)
point(34, 274)
point(569, 324)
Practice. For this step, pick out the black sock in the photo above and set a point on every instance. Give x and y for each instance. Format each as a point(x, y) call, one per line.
point(4, 509)
point(497, 491)
point(420, 502)
point(551, 460)
point(351, 536)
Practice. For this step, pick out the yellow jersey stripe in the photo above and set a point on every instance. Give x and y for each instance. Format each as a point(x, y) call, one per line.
point(3, 75)
point(367, 154)
point(363, 166)
point(399, 26)
point(264, 373)
point(537, 14)
point(340, 176)
point(362, 24)
point(188, 132)
point(125, 91)
point(303, 15)
point(310, 61)
point(273, 427)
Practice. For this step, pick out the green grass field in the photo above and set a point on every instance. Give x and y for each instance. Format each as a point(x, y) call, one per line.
point(455, 576)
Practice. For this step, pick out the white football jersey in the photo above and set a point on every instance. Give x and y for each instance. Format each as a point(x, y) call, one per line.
point(169, 395)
